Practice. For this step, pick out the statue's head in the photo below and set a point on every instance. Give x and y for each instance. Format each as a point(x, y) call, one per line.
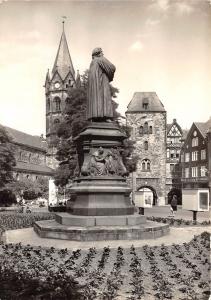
point(97, 52)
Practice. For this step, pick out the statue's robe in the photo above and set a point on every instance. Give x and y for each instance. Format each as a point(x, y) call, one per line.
point(99, 105)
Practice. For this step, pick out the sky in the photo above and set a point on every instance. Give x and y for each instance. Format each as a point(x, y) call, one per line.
point(156, 45)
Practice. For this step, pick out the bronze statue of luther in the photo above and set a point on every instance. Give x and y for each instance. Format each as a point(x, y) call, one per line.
point(101, 72)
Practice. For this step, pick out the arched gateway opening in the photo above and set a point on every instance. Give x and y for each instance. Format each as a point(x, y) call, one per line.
point(149, 192)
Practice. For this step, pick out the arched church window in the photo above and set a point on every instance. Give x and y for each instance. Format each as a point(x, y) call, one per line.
point(145, 165)
point(150, 129)
point(57, 102)
point(145, 127)
point(145, 145)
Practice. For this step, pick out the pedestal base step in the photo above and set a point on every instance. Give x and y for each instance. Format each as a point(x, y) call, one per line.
point(87, 221)
point(52, 229)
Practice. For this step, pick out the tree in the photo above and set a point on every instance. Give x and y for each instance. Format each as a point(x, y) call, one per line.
point(7, 158)
point(7, 162)
point(29, 189)
point(73, 123)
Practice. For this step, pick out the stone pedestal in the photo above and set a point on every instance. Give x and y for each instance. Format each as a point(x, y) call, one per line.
point(101, 188)
point(102, 196)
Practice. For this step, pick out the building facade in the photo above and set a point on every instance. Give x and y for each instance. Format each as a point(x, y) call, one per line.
point(146, 116)
point(175, 138)
point(30, 154)
point(195, 157)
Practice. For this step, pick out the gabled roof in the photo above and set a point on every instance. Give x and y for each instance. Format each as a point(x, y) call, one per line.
point(169, 126)
point(141, 100)
point(63, 63)
point(203, 127)
point(19, 137)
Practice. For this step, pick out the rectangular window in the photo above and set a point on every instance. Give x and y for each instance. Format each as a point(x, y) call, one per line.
point(203, 154)
point(203, 171)
point(182, 157)
point(195, 142)
point(187, 157)
point(177, 153)
point(186, 172)
point(194, 172)
point(167, 153)
point(194, 155)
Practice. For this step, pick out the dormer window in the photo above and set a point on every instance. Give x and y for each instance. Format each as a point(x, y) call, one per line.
point(145, 103)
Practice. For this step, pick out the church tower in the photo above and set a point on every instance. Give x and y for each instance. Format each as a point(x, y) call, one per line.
point(57, 86)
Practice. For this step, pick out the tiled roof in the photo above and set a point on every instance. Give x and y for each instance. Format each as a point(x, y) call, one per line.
point(141, 98)
point(32, 168)
point(63, 63)
point(203, 127)
point(23, 138)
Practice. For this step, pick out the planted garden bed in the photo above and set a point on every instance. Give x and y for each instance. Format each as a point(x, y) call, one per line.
point(11, 220)
point(178, 222)
point(179, 272)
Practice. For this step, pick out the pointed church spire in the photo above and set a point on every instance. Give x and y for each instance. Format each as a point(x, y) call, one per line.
point(63, 63)
point(78, 80)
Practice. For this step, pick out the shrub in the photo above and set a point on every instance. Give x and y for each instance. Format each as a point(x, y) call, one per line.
point(7, 198)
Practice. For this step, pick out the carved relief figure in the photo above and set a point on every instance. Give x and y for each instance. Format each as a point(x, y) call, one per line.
point(97, 163)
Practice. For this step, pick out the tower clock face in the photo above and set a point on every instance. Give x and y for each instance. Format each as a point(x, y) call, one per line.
point(57, 85)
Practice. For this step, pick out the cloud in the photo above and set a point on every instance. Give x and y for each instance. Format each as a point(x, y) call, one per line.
point(181, 7)
point(162, 5)
point(152, 22)
point(184, 8)
point(137, 46)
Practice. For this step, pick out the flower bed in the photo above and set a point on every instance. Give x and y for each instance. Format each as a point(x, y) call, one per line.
point(11, 220)
point(161, 272)
point(178, 222)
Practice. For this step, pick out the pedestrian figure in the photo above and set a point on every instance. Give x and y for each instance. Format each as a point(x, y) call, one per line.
point(173, 205)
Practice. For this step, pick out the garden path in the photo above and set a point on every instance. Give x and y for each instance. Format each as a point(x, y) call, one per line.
point(177, 235)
